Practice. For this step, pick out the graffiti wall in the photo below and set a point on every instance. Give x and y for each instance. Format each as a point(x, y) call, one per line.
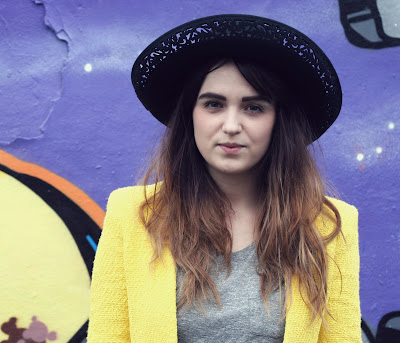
point(49, 231)
point(72, 130)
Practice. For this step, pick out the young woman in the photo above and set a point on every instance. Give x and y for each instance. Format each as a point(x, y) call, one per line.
point(231, 238)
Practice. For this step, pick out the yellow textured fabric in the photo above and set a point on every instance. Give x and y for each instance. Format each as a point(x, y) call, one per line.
point(132, 303)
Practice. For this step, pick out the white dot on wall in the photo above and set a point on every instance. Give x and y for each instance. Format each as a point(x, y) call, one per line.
point(88, 67)
point(360, 157)
point(391, 126)
point(378, 150)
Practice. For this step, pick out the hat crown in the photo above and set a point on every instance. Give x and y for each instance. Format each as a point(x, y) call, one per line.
point(226, 27)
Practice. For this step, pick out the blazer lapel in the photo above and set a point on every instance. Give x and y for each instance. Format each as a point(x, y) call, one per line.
point(298, 327)
point(151, 293)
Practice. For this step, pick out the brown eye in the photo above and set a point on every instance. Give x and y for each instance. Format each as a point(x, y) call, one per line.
point(213, 104)
point(254, 108)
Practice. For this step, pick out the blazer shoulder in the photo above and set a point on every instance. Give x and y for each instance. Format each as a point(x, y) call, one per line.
point(122, 197)
point(124, 201)
point(348, 213)
point(348, 217)
point(342, 206)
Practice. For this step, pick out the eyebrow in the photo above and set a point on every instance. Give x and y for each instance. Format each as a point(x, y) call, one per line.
point(256, 98)
point(244, 99)
point(212, 96)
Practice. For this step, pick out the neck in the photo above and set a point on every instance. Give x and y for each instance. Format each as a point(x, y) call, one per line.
point(240, 189)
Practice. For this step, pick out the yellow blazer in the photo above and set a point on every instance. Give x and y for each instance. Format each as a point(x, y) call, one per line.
point(129, 303)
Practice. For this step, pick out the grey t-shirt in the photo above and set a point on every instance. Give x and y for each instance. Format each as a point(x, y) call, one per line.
point(243, 316)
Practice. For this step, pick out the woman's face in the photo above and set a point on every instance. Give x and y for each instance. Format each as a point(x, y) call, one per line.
point(232, 122)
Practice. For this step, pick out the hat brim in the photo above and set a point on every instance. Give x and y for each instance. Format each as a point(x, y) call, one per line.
point(159, 72)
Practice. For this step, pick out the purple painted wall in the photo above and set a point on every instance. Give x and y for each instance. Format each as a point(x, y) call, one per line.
point(85, 124)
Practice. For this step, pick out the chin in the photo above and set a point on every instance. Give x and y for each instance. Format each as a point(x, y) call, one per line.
point(234, 171)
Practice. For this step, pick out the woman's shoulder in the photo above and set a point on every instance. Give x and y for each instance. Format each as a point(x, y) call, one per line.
point(344, 208)
point(348, 216)
point(122, 202)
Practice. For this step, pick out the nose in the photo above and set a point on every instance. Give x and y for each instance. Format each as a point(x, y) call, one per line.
point(232, 124)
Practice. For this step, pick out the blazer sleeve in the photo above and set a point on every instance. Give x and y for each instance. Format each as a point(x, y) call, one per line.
point(109, 319)
point(344, 324)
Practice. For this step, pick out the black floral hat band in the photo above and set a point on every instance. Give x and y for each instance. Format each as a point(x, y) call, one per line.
point(159, 72)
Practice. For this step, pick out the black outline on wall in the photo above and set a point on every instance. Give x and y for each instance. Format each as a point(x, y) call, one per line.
point(354, 11)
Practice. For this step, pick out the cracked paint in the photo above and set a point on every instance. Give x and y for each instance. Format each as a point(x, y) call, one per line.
point(54, 20)
point(34, 63)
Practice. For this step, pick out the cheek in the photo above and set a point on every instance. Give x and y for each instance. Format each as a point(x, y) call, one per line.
point(262, 133)
point(202, 125)
point(199, 128)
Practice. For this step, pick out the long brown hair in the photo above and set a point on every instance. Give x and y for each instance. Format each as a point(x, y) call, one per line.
point(188, 211)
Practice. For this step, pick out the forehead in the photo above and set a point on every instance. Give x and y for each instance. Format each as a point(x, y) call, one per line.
point(226, 78)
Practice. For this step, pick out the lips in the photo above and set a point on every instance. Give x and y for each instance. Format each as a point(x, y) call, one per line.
point(231, 145)
point(231, 148)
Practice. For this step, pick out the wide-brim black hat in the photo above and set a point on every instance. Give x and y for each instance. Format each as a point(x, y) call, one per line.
point(160, 71)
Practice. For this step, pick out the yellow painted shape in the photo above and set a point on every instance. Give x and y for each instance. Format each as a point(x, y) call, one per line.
point(42, 272)
point(93, 210)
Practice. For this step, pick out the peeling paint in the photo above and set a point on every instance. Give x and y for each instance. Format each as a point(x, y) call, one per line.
point(53, 19)
point(34, 65)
